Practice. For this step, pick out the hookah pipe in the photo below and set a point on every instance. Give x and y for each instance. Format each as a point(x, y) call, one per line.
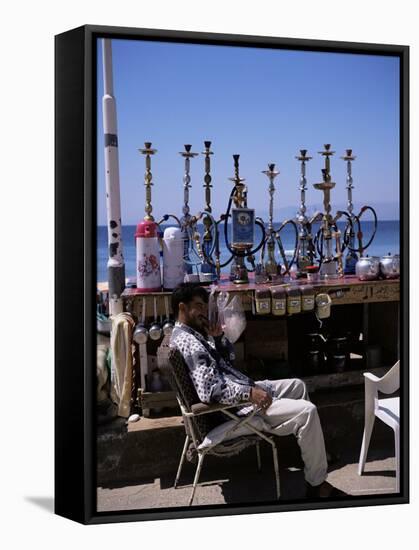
point(188, 223)
point(271, 267)
point(328, 223)
point(148, 176)
point(186, 220)
point(210, 241)
point(148, 151)
point(349, 235)
point(306, 247)
point(239, 195)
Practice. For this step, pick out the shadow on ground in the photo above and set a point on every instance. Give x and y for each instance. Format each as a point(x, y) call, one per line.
point(46, 503)
point(238, 481)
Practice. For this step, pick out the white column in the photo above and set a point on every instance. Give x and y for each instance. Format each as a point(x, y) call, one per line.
point(116, 264)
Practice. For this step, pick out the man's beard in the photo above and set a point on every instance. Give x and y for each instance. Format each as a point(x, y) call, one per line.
point(200, 326)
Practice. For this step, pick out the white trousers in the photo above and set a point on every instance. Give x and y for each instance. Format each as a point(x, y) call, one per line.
point(292, 412)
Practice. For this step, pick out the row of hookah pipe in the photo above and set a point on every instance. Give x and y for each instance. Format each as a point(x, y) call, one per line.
point(205, 252)
point(320, 246)
point(308, 248)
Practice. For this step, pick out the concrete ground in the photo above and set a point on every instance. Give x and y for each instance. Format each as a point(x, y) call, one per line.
point(237, 481)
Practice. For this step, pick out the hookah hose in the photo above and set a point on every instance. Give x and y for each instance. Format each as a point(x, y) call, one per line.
point(305, 235)
point(214, 240)
point(200, 253)
point(166, 217)
point(311, 249)
point(262, 250)
point(215, 243)
point(249, 254)
point(281, 248)
point(362, 247)
point(208, 257)
point(258, 222)
point(319, 243)
point(319, 240)
point(348, 232)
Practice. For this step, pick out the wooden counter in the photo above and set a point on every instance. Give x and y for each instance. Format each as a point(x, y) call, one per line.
point(370, 305)
point(346, 290)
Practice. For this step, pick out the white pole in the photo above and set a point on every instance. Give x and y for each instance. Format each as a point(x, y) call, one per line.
point(116, 264)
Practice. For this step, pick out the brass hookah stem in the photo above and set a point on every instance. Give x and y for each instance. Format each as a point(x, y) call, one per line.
point(327, 153)
point(148, 176)
point(349, 181)
point(304, 224)
point(326, 197)
point(207, 186)
point(270, 266)
point(271, 173)
point(187, 155)
point(303, 184)
point(328, 185)
point(239, 198)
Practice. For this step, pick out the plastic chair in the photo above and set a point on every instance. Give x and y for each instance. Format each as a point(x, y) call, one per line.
point(200, 418)
point(387, 410)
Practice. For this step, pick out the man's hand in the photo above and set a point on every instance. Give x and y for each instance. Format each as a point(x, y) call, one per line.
point(260, 398)
point(215, 329)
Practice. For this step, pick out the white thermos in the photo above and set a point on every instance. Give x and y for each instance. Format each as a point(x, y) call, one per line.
point(148, 257)
point(173, 263)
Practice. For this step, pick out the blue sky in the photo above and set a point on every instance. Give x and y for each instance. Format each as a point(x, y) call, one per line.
point(263, 104)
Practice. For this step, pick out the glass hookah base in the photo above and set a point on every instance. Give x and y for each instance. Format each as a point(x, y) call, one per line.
point(329, 270)
point(350, 264)
point(239, 274)
point(241, 279)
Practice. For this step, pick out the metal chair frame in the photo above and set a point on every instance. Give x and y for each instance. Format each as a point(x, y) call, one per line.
point(192, 412)
point(240, 421)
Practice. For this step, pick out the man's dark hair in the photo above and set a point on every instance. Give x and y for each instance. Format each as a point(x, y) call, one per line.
point(185, 293)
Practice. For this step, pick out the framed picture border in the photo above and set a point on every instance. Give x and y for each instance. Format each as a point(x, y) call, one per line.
point(75, 269)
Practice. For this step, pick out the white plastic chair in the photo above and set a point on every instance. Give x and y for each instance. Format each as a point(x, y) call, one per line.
point(387, 410)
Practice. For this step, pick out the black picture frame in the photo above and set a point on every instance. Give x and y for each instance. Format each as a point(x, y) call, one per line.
point(75, 268)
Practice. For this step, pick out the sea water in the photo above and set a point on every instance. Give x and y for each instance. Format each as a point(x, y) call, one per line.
point(387, 239)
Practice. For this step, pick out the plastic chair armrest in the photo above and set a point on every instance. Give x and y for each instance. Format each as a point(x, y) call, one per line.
point(371, 377)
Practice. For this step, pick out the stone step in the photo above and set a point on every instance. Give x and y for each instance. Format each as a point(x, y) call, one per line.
point(152, 447)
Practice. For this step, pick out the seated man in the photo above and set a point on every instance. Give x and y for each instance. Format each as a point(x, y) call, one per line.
point(285, 403)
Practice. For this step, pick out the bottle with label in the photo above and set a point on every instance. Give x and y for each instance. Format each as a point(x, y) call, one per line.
point(263, 302)
point(293, 301)
point(279, 301)
point(307, 298)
